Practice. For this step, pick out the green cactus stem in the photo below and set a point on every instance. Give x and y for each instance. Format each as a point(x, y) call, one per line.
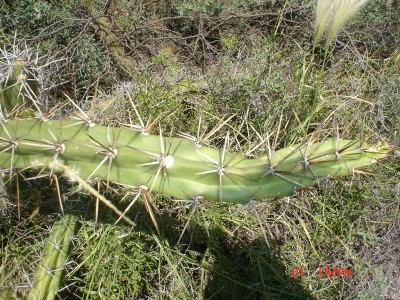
point(49, 271)
point(177, 167)
point(18, 88)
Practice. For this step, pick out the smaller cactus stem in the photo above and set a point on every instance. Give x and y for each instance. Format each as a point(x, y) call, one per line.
point(49, 271)
point(19, 88)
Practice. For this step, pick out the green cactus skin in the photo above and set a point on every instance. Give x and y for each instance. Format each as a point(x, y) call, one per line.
point(49, 271)
point(176, 166)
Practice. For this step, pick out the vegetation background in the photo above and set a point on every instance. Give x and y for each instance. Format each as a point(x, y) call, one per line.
point(248, 60)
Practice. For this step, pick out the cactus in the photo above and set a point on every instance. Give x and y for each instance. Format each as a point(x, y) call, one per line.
point(49, 271)
point(19, 84)
point(177, 166)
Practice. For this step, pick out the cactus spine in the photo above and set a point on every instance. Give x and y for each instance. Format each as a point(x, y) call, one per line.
point(179, 167)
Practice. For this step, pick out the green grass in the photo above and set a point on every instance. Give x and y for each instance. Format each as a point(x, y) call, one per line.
point(262, 69)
